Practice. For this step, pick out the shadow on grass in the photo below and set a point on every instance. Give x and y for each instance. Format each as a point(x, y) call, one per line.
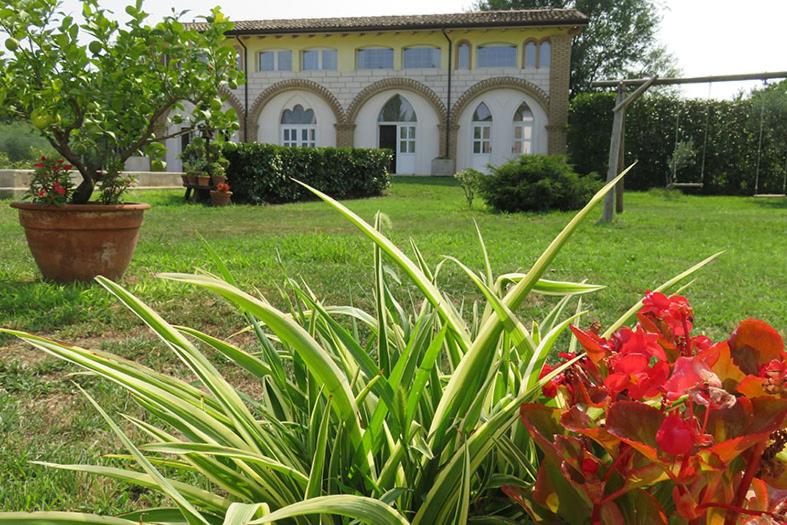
point(778, 203)
point(41, 305)
point(426, 181)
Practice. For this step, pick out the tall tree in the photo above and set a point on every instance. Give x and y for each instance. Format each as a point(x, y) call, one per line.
point(620, 39)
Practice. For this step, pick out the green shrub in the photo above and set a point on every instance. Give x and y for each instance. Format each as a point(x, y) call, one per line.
point(470, 181)
point(537, 183)
point(263, 173)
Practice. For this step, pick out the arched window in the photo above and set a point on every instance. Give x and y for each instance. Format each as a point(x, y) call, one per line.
point(531, 55)
point(544, 54)
point(298, 127)
point(523, 130)
point(421, 57)
point(397, 109)
point(463, 55)
point(482, 130)
point(496, 55)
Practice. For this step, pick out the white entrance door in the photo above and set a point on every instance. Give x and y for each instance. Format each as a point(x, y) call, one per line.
point(482, 146)
point(405, 149)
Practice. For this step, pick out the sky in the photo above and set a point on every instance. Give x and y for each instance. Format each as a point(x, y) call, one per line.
point(708, 37)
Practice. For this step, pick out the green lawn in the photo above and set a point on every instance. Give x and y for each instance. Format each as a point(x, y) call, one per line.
point(41, 418)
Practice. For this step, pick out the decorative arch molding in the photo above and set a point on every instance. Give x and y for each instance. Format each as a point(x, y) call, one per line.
point(490, 84)
point(387, 84)
point(234, 101)
point(296, 84)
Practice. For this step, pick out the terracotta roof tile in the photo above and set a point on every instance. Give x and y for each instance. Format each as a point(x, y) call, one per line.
point(514, 18)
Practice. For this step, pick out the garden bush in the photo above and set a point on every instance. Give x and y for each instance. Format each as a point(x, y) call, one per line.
point(263, 173)
point(537, 183)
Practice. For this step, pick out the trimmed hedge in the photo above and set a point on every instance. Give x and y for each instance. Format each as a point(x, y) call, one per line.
point(260, 173)
point(537, 183)
point(731, 154)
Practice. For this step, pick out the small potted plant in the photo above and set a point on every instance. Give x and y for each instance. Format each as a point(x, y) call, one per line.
point(222, 195)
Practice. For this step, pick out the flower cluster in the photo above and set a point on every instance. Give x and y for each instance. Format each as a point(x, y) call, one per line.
point(223, 187)
point(51, 183)
point(657, 410)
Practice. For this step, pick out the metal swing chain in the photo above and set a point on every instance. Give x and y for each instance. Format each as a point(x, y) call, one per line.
point(759, 144)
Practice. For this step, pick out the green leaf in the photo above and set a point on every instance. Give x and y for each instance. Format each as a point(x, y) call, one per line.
point(366, 510)
point(60, 518)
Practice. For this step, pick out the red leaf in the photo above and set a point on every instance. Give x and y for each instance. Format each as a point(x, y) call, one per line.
point(636, 424)
point(755, 343)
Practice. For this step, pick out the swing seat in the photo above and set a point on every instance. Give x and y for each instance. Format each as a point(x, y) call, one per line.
point(684, 185)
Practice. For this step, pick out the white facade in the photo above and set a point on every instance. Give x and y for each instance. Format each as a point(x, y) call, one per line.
point(311, 88)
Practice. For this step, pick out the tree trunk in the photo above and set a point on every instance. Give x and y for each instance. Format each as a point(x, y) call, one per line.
point(85, 189)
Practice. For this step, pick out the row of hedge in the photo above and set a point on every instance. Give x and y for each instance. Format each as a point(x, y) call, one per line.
point(261, 173)
point(731, 154)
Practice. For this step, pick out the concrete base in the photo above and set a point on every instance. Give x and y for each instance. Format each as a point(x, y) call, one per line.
point(443, 167)
point(13, 183)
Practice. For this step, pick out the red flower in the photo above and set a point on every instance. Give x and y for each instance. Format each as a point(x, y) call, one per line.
point(689, 372)
point(39, 165)
point(675, 436)
point(59, 189)
point(41, 193)
point(672, 316)
point(596, 346)
point(589, 467)
point(640, 342)
point(631, 372)
point(549, 389)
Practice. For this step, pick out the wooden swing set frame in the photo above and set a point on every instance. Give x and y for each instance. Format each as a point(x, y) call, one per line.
point(614, 199)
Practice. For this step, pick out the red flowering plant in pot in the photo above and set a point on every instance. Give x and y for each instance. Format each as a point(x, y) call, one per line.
point(656, 425)
point(101, 92)
point(51, 182)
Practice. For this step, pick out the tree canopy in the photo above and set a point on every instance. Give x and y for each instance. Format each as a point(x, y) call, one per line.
point(100, 92)
point(620, 39)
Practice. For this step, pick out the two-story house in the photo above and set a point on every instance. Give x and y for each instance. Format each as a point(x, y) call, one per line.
point(477, 88)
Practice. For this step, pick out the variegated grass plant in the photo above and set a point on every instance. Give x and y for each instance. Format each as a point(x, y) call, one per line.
point(412, 422)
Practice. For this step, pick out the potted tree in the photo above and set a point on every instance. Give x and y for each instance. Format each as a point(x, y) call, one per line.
point(99, 93)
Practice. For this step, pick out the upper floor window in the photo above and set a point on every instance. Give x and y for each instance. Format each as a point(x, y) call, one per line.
point(314, 59)
point(496, 55)
point(463, 56)
point(239, 59)
point(531, 55)
point(276, 60)
point(545, 55)
point(374, 58)
point(421, 57)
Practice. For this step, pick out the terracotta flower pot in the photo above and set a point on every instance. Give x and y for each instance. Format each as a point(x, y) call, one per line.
point(220, 198)
point(191, 179)
point(77, 242)
point(203, 181)
point(217, 179)
point(185, 179)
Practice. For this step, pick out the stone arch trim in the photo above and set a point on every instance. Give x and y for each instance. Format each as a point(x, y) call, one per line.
point(235, 102)
point(387, 84)
point(500, 83)
point(296, 84)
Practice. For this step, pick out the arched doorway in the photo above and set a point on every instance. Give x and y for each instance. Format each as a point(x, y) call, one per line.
point(482, 137)
point(396, 125)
